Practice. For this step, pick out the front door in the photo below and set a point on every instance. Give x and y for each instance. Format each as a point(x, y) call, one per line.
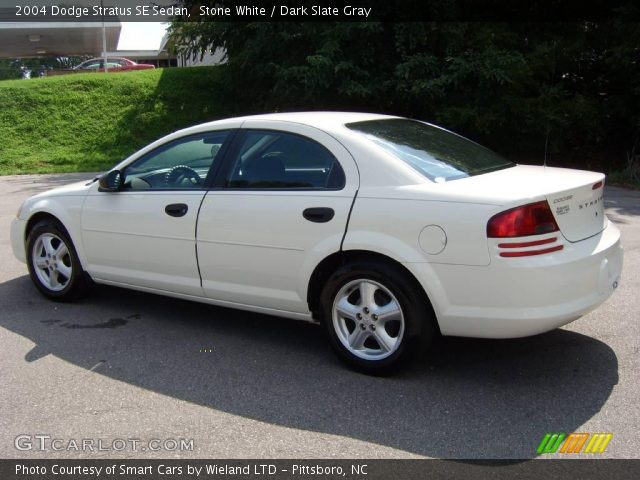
point(144, 235)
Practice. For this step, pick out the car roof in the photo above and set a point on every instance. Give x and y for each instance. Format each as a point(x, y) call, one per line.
point(332, 123)
point(108, 58)
point(319, 119)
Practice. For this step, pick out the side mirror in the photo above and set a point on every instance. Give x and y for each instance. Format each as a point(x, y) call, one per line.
point(110, 181)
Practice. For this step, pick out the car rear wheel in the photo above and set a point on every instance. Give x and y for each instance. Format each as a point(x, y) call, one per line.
point(376, 316)
point(53, 264)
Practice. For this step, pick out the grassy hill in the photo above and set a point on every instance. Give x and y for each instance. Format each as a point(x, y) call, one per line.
point(89, 122)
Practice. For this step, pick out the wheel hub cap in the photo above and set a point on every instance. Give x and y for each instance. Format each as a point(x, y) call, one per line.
point(368, 319)
point(51, 262)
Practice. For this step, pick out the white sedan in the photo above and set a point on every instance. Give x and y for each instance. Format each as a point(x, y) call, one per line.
point(383, 229)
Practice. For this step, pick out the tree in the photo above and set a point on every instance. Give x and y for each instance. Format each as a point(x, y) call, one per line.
point(561, 90)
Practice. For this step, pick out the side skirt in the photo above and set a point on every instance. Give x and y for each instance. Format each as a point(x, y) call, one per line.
point(220, 303)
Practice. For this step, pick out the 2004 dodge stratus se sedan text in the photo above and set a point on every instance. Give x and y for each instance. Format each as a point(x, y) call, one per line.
point(383, 229)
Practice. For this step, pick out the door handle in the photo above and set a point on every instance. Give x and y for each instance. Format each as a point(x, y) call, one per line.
point(176, 209)
point(318, 214)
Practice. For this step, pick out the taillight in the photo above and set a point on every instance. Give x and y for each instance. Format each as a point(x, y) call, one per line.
point(532, 219)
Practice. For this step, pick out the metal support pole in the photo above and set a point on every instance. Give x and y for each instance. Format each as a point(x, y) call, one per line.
point(104, 39)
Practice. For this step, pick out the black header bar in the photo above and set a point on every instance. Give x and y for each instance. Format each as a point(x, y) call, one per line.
point(313, 10)
point(318, 469)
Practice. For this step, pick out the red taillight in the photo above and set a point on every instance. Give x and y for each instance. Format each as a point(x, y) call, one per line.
point(530, 253)
point(532, 219)
point(535, 243)
point(597, 185)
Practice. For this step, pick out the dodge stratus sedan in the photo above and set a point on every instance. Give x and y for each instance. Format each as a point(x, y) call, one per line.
point(384, 230)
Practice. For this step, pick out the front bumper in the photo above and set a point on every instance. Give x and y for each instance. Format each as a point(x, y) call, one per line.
point(17, 239)
point(522, 297)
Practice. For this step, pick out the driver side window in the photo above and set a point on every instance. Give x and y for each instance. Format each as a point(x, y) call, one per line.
point(178, 165)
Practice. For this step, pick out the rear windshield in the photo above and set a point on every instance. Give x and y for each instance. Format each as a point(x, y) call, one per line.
point(434, 152)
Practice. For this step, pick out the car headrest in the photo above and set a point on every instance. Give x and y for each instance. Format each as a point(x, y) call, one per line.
point(269, 168)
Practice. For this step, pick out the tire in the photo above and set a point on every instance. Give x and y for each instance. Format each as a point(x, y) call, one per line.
point(378, 335)
point(53, 263)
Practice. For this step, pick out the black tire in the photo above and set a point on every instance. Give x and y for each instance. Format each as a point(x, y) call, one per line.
point(419, 325)
point(76, 286)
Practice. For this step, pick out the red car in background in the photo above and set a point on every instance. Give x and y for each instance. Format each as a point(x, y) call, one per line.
point(114, 64)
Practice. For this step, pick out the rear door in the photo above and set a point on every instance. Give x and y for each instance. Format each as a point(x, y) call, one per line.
point(281, 205)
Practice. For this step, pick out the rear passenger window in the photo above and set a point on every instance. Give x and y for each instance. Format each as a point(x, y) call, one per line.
point(277, 160)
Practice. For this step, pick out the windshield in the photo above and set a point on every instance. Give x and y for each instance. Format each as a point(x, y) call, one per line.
point(434, 152)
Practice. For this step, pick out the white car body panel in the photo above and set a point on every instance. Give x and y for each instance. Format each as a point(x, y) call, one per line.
point(465, 239)
point(253, 249)
point(129, 238)
point(212, 301)
point(256, 252)
point(65, 203)
point(531, 295)
point(137, 224)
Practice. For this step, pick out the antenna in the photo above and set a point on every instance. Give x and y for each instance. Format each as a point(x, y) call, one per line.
point(546, 144)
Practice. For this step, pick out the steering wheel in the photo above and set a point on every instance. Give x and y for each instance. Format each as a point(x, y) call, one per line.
point(182, 176)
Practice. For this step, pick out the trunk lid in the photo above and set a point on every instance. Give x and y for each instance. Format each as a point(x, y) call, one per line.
point(579, 211)
point(577, 207)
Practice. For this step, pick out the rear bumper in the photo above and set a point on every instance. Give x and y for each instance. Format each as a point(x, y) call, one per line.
point(518, 297)
point(17, 239)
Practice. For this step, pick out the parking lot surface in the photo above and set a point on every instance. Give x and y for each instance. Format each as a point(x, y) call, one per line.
point(124, 365)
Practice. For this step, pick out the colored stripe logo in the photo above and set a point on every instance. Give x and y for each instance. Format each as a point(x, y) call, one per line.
point(574, 443)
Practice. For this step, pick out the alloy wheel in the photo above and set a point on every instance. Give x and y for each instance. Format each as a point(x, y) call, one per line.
point(52, 262)
point(368, 319)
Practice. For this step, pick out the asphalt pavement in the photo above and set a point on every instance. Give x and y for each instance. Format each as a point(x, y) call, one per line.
point(122, 366)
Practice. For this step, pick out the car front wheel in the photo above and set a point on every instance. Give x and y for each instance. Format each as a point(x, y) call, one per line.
point(53, 264)
point(376, 316)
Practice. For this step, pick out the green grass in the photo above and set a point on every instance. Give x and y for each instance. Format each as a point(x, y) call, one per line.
point(89, 122)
